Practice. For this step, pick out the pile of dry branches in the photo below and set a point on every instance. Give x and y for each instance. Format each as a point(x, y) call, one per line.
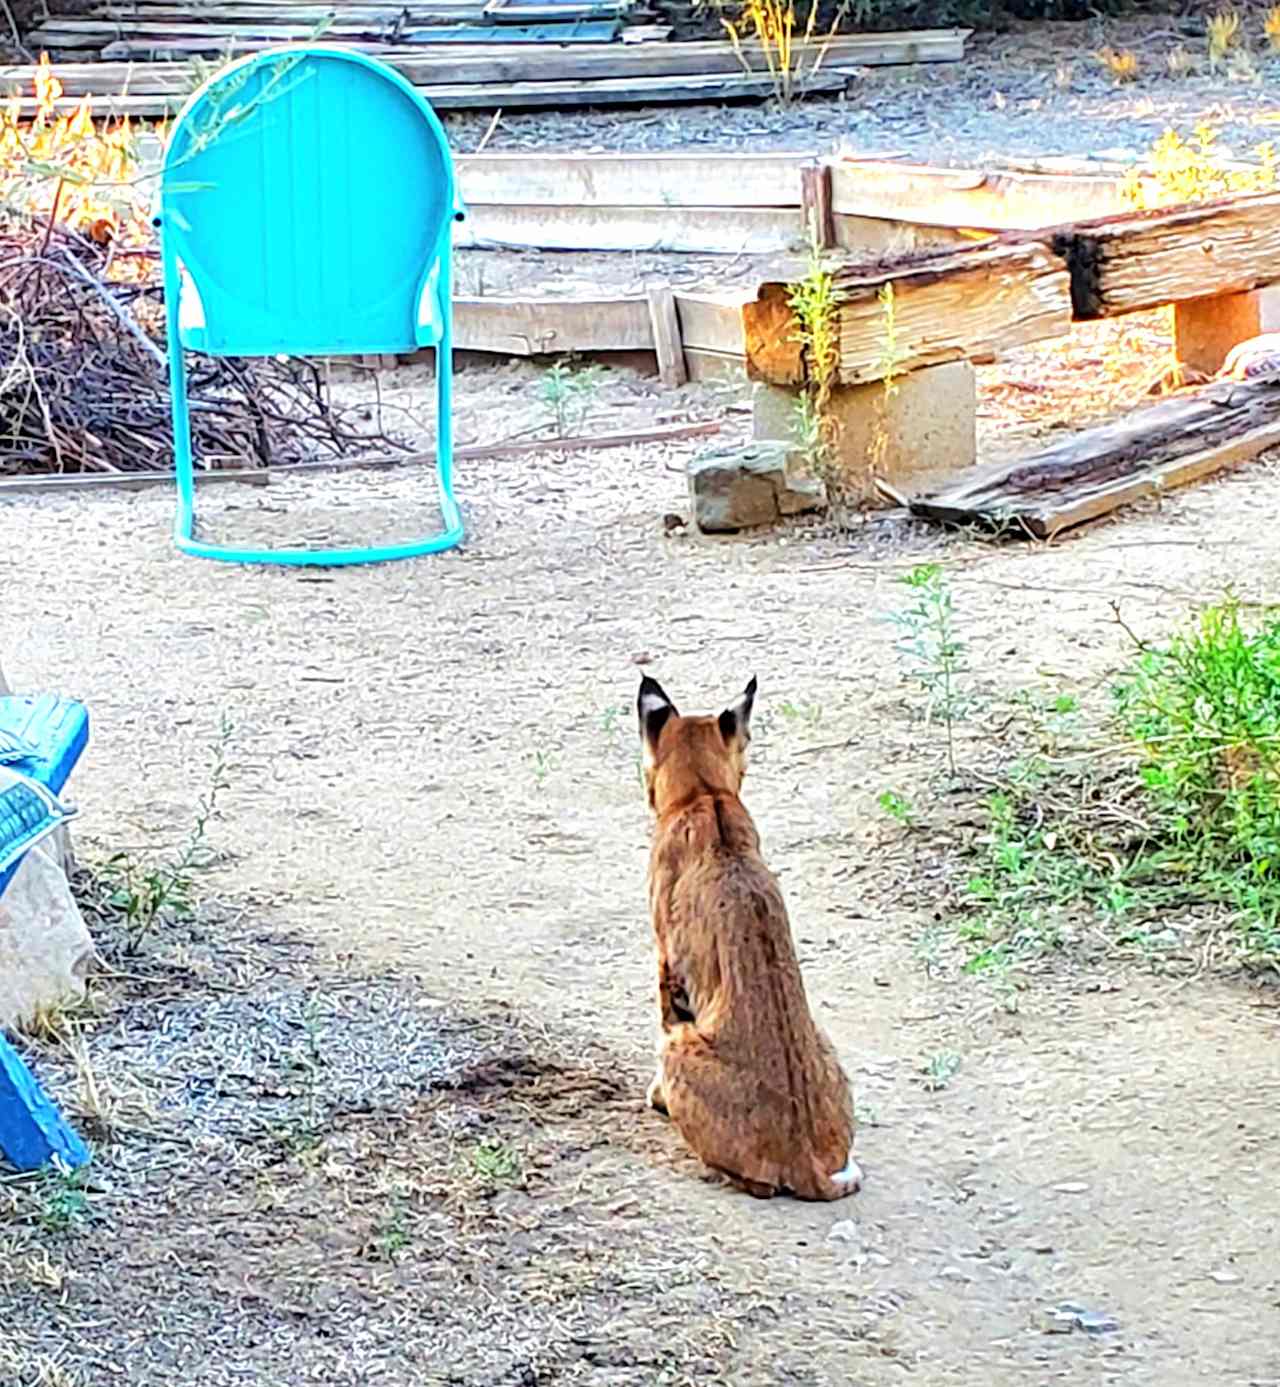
point(84, 376)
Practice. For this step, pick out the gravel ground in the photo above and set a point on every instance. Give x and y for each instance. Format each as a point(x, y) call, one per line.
point(470, 1192)
point(1037, 91)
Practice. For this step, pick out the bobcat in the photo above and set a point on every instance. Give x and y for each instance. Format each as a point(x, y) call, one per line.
point(745, 1074)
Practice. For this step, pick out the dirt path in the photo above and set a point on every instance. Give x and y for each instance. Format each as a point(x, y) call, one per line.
point(433, 769)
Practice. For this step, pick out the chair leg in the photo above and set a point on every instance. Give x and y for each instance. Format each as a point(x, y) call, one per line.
point(449, 511)
point(183, 461)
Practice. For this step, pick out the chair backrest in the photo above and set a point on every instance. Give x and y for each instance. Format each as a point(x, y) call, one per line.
point(307, 194)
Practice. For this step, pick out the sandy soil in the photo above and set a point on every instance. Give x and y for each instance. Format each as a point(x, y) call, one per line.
point(433, 774)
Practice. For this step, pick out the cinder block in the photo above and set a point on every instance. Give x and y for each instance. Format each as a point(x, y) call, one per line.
point(930, 427)
point(773, 412)
point(1205, 330)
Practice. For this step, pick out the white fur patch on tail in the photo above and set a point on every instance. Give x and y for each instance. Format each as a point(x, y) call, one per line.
point(850, 1175)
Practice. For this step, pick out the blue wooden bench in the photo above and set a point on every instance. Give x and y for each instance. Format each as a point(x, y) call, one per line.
point(41, 738)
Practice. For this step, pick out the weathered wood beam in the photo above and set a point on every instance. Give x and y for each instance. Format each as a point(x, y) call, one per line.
point(985, 199)
point(551, 95)
point(453, 63)
point(710, 230)
point(949, 306)
point(845, 50)
point(1144, 260)
point(1176, 442)
point(710, 179)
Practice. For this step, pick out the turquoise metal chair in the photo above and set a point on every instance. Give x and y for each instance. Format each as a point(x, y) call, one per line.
point(306, 207)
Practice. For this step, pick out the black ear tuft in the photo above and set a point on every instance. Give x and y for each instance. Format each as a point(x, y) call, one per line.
point(735, 721)
point(654, 708)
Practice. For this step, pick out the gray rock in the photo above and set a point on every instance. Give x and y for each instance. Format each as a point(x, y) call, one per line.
point(1064, 1318)
point(738, 485)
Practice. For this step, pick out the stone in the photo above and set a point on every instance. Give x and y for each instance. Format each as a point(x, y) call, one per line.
point(1205, 330)
point(1066, 1317)
point(930, 424)
point(45, 949)
point(738, 485)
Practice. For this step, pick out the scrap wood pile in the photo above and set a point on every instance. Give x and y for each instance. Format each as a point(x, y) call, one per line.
point(144, 56)
point(83, 365)
point(83, 374)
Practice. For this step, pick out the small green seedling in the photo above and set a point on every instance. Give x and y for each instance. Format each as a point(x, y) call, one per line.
point(940, 1069)
point(933, 651)
point(496, 1163)
point(897, 807)
point(569, 394)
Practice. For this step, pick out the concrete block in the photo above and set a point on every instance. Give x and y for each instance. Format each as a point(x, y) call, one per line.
point(1205, 330)
point(930, 426)
point(736, 486)
point(773, 412)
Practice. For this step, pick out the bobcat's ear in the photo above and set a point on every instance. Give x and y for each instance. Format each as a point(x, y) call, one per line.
point(735, 721)
point(654, 708)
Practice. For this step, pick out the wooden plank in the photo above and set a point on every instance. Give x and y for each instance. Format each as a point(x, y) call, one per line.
point(1144, 260)
point(123, 16)
point(949, 306)
point(699, 56)
point(487, 63)
point(259, 476)
point(548, 39)
point(1099, 469)
point(72, 482)
point(815, 199)
point(513, 95)
point(537, 327)
point(711, 322)
point(710, 230)
point(988, 199)
point(668, 345)
point(952, 306)
point(1194, 468)
point(631, 180)
point(524, 327)
point(528, 11)
point(579, 31)
point(84, 33)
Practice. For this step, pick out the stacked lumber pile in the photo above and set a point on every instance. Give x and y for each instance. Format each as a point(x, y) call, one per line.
point(144, 56)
